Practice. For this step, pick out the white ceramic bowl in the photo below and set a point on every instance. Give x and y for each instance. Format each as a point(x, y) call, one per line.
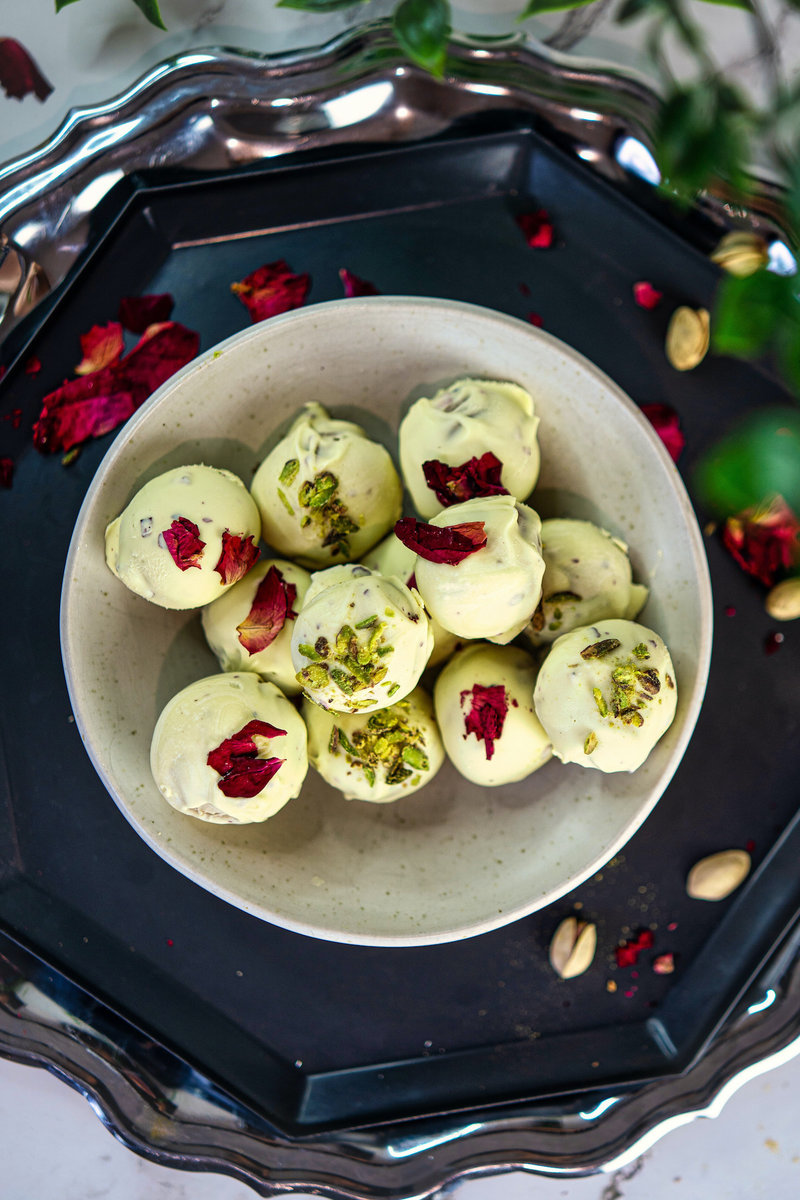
point(454, 859)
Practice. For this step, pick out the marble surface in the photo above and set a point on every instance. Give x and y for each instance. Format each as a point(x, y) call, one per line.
point(54, 1147)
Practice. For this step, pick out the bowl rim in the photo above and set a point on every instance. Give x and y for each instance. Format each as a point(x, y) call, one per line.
point(698, 559)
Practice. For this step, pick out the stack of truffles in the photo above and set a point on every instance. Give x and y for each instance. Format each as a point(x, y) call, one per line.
point(373, 645)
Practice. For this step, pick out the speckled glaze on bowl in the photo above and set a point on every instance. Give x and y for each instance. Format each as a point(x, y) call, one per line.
point(453, 860)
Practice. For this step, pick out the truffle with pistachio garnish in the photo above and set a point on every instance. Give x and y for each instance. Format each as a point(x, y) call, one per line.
point(587, 578)
point(378, 756)
point(360, 641)
point(475, 437)
point(326, 492)
point(605, 694)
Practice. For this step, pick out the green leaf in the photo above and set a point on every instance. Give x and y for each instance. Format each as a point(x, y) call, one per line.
point(757, 459)
point(63, 4)
point(703, 132)
point(535, 8)
point(751, 310)
point(422, 28)
point(151, 11)
point(319, 6)
point(631, 9)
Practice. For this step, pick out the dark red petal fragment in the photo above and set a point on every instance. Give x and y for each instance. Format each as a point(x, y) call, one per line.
point(535, 319)
point(6, 471)
point(765, 541)
point(236, 759)
point(353, 286)
point(272, 289)
point(237, 557)
point(161, 351)
point(137, 312)
point(667, 425)
point(628, 953)
point(487, 714)
point(184, 543)
point(537, 228)
point(646, 295)
point(476, 477)
point(19, 74)
point(773, 642)
point(271, 608)
point(449, 544)
point(102, 347)
point(33, 366)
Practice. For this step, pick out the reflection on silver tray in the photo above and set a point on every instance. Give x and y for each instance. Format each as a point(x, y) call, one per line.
point(211, 111)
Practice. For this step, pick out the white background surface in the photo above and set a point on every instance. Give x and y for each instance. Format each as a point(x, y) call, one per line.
point(52, 1146)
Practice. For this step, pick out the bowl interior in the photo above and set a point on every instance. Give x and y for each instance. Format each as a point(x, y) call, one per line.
point(454, 859)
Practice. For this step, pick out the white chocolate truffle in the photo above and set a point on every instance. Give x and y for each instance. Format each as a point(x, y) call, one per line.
point(236, 624)
point(203, 514)
point(196, 723)
point(605, 694)
point(492, 593)
point(484, 707)
point(379, 756)
point(391, 558)
point(466, 420)
point(360, 643)
point(326, 493)
point(587, 578)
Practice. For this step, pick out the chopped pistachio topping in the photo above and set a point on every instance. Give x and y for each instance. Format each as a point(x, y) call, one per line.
point(641, 651)
point(315, 675)
point(388, 741)
point(309, 652)
point(563, 598)
point(632, 687)
point(600, 649)
point(602, 707)
point(285, 502)
point(590, 744)
point(289, 472)
point(367, 622)
point(323, 509)
point(669, 680)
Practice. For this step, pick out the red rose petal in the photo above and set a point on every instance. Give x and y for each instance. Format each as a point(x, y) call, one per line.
point(137, 312)
point(33, 366)
point(184, 543)
point(241, 744)
point(237, 557)
point(249, 776)
point(19, 74)
point(236, 759)
point(535, 319)
point(646, 295)
point(666, 423)
point(476, 477)
point(628, 953)
point(765, 541)
point(272, 289)
point(449, 544)
point(487, 714)
point(537, 228)
point(6, 471)
point(271, 608)
point(102, 347)
point(353, 286)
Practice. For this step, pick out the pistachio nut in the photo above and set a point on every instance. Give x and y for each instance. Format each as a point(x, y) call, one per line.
point(715, 877)
point(783, 601)
point(688, 336)
point(741, 253)
point(573, 947)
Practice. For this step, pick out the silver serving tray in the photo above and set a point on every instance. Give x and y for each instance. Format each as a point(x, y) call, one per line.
point(214, 110)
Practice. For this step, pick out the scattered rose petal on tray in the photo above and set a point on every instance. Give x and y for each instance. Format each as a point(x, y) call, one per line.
point(237, 557)
point(19, 74)
point(535, 320)
point(537, 228)
point(272, 289)
point(236, 759)
point(353, 286)
point(33, 366)
point(627, 954)
point(765, 541)
point(102, 347)
point(475, 477)
point(449, 544)
point(667, 425)
point(6, 471)
point(137, 312)
point(646, 296)
point(487, 714)
point(271, 608)
point(184, 543)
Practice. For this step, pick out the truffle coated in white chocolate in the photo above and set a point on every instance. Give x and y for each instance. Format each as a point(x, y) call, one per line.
point(587, 578)
point(464, 421)
point(605, 694)
point(523, 746)
point(221, 619)
point(378, 756)
point(361, 643)
point(198, 720)
point(213, 500)
point(493, 592)
point(326, 492)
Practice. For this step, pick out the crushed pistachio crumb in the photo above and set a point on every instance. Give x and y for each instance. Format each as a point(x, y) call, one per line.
point(601, 649)
point(602, 707)
point(289, 472)
point(590, 744)
point(641, 651)
point(285, 502)
point(318, 497)
point(388, 741)
point(309, 652)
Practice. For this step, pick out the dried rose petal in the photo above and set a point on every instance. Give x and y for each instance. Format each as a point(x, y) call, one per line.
point(535, 319)
point(271, 608)
point(102, 347)
point(272, 289)
point(236, 759)
point(6, 471)
point(353, 286)
point(646, 295)
point(476, 477)
point(628, 953)
point(184, 543)
point(237, 557)
point(19, 74)
point(137, 312)
point(33, 366)
point(441, 544)
point(487, 714)
point(161, 351)
point(538, 229)
point(667, 425)
point(664, 964)
point(765, 541)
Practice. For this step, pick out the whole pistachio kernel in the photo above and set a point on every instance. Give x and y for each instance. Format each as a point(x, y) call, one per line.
point(741, 253)
point(715, 877)
point(688, 337)
point(783, 601)
point(573, 947)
